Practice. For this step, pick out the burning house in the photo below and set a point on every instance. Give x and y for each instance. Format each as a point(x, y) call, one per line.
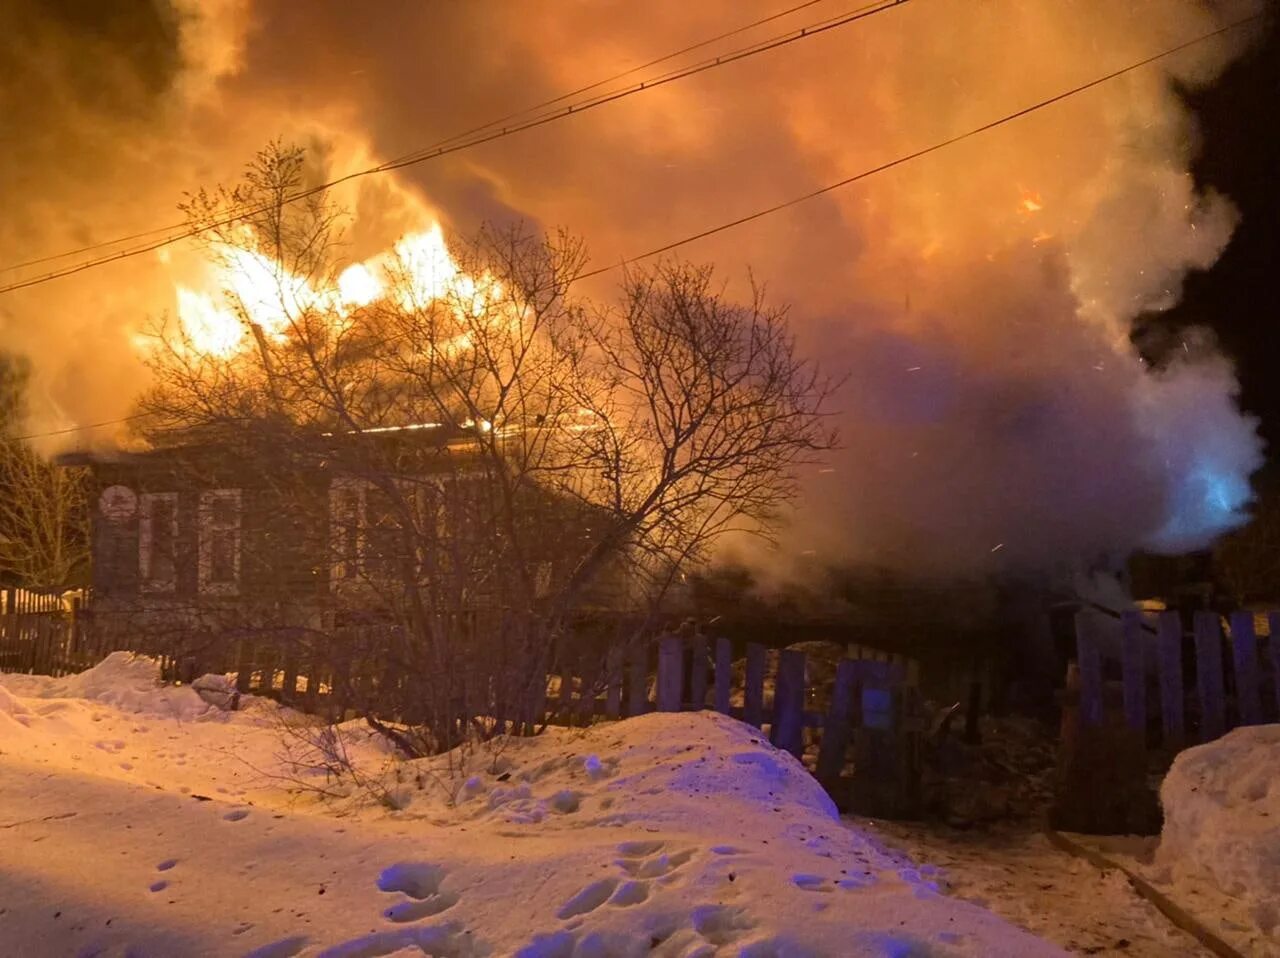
point(202, 542)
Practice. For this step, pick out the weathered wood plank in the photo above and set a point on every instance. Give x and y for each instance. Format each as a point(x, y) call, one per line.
point(1133, 671)
point(698, 672)
point(670, 673)
point(1244, 661)
point(564, 701)
point(787, 731)
point(244, 665)
point(753, 688)
point(1169, 647)
point(613, 694)
point(1090, 660)
point(836, 725)
point(724, 674)
point(1209, 683)
point(1273, 647)
point(638, 681)
point(589, 672)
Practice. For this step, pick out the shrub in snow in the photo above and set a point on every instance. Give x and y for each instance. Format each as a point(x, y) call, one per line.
point(1222, 818)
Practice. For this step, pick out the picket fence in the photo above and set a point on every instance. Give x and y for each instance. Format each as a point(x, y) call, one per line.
point(47, 643)
point(1203, 683)
point(859, 733)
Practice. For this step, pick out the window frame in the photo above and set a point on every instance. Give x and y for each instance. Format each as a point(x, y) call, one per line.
point(206, 533)
point(147, 580)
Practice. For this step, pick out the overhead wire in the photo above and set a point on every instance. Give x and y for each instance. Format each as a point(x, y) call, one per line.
point(846, 181)
point(924, 151)
point(451, 145)
point(796, 8)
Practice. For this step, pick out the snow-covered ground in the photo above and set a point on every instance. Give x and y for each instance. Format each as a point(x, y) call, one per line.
point(1020, 875)
point(1218, 855)
point(137, 820)
point(1217, 859)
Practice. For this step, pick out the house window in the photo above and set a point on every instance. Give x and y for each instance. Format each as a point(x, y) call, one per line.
point(158, 541)
point(346, 512)
point(220, 541)
point(367, 533)
point(384, 538)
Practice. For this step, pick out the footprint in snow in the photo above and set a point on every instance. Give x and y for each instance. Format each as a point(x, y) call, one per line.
point(630, 893)
point(657, 866)
point(420, 882)
point(284, 948)
point(439, 941)
point(589, 899)
point(721, 924)
point(812, 883)
point(236, 815)
point(639, 849)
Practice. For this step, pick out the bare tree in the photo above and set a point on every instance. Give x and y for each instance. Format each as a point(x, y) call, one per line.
point(44, 539)
point(501, 454)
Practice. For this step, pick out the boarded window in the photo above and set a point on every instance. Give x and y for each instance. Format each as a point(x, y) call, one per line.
point(158, 541)
point(220, 541)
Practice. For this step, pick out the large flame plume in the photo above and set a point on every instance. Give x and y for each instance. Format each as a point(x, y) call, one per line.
point(979, 299)
point(241, 287)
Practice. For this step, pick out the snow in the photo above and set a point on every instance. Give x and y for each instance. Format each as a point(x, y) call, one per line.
point(1222, 823)
point(137, 819)
point(1017, 873)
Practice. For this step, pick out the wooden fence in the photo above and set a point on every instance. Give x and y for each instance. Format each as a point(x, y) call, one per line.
point(14, 600)
point(1138, 693)
point(47, 643)
point(1173, 688)
point(854, 722)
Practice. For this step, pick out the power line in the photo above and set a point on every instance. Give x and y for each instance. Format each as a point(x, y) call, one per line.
point(794, 201)
point(461, 134)
point(85, 428)
point(942, 144)
point(483, 138)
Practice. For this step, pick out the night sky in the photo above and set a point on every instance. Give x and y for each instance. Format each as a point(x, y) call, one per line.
point(1239, 297)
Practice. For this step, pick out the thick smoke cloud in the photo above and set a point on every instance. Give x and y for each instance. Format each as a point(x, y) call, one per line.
point(978, 301)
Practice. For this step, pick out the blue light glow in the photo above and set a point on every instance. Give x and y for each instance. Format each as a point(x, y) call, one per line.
point(1204, 503)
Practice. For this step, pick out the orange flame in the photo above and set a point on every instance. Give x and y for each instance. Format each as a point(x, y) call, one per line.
point(247, 288)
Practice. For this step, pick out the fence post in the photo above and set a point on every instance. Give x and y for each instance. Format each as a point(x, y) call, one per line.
point(1170, 649)
point(670, 673)
point(724, 674)
point(1273, 646)
point(589, 672)
point(613, 667)
point(1134, 669)
point(698, 673)
point(1244, 660)
point(1090, 661)
point(638, 681)
point(835, 727)
point(244, 670)
point(753, 691)
point(1209, 675)
point(886, 771)
point(787, 731)
point(564, 705)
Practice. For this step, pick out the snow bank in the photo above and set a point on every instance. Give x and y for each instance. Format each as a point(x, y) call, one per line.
point(1222, 820)
point(671, 835)
point(128, 682)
